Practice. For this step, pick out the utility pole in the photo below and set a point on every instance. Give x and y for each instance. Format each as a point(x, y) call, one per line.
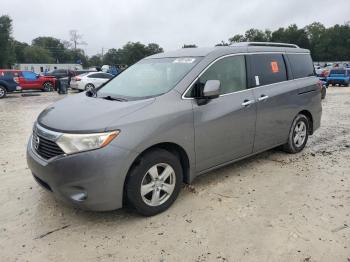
point(102, 51)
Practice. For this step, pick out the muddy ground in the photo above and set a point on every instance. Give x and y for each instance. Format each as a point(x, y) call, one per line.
point(271, 207)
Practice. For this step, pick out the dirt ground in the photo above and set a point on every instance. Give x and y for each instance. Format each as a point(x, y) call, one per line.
point(271, 207)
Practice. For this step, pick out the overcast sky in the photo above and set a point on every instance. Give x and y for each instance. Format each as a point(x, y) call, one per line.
point(170, 23)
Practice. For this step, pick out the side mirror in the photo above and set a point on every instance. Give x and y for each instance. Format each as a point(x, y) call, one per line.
point(211, 89)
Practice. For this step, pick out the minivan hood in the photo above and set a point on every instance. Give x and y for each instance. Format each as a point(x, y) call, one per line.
point(82, 114)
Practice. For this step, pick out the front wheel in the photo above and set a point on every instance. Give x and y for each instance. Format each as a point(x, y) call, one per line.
point(154, 183)
point(89, 87)
point(298, 135)
point(47, 87)
point(2, 92)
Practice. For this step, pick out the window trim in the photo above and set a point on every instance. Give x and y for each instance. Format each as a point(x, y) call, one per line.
point(183, 96)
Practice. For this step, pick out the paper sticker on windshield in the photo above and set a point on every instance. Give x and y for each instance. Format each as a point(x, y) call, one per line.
point(184, 60)
point(274, 67)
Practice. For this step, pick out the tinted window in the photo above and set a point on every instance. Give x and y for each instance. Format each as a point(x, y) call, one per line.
point(29, 75)
point(231, 73)
point(268, 69)
point(8, 74)
point(94, 76)
point(301, 64)
point(337, 72)
point(106, 76)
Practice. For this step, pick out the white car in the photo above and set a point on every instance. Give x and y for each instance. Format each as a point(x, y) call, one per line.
point(90, 80)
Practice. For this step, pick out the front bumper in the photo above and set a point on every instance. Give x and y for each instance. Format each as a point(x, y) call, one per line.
point(92, 180)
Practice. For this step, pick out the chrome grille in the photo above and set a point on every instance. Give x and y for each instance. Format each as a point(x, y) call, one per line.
point(45, 148)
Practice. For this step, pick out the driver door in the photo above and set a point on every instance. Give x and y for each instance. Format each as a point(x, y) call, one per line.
point(225, 126)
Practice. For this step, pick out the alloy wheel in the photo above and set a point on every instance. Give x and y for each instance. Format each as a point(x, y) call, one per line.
point(158, 184)
point(299, 133)
point(2, 92)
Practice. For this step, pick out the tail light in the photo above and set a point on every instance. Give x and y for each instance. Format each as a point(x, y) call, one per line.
point(77, 78)
point(16, 79)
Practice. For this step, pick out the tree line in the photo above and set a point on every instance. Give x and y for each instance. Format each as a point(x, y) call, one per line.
point(46, 49)
point(326, 44)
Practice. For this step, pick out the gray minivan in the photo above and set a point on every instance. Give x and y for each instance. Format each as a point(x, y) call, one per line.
point(171, 117)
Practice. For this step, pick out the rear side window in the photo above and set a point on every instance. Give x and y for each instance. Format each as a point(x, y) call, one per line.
point(301, 65)
point(94, 75)
point(230, 71)
point(267, 69)
point(8, 74)
point(107, 76)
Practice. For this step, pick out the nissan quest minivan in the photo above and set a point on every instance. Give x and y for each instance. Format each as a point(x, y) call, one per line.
point(170, 118)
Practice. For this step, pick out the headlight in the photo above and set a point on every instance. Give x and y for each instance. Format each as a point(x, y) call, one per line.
point(73, 143)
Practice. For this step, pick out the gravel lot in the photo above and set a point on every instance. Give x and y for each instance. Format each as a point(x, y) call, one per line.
point(271, 207)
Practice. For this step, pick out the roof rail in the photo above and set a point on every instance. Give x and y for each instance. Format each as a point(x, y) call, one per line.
point(265, 44)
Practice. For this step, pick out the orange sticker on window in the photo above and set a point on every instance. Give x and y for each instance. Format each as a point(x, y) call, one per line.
point(274, 67)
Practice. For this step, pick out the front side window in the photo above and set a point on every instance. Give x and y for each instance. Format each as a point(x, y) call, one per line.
point(149, 78)
point(230, 71)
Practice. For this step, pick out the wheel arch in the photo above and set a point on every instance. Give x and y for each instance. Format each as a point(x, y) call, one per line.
point(308, 114)
point(174, 148)
point(4, 85)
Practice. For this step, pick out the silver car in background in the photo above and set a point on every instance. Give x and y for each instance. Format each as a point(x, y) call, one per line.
point(170, 118)
point(89, 80)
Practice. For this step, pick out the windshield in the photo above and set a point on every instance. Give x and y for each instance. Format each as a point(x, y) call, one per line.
point(148, 78)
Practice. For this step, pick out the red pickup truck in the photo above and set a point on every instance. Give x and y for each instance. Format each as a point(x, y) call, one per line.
point(30, 80)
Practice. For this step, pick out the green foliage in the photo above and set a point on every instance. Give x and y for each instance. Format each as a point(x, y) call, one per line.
point(112, 57)
point(54, 47)
point(96, 60)
point(131, 53)
point(18, 49)
point(6, 50)
point(326, 44)
point(37, 54)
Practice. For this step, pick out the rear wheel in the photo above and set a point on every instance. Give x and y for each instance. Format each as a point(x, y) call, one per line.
point(47, 87)
point(323, 92)
point(154, 183)
point(298, 135)
point(2, 92)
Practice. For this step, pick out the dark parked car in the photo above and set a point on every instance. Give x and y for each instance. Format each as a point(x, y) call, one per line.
point(59, 73)
point(9, 82)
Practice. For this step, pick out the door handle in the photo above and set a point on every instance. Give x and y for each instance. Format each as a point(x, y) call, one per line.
point(263, 97)
point(247, 102)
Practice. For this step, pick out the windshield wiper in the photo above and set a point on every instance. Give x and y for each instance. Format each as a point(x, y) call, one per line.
point(111, 98)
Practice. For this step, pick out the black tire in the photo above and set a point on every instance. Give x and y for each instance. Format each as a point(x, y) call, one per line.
point(3, 92)
point(323, 92)
point(140, 171)
point(47, 87)
point(291, 146)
